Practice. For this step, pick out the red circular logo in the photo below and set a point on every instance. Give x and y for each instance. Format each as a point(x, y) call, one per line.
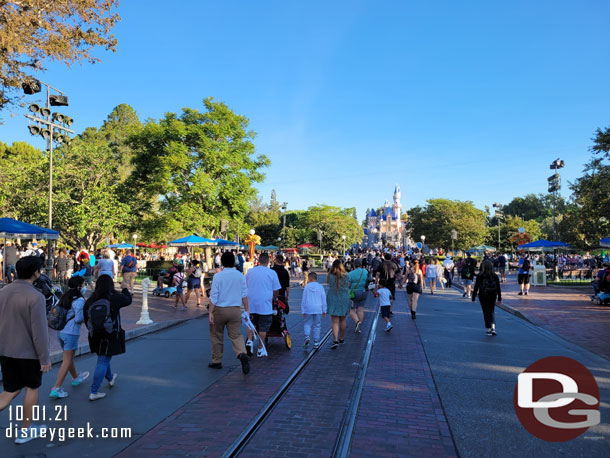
point(557, 399)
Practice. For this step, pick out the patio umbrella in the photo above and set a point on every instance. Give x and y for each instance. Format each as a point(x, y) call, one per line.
point(13, 229)
point(223, 242)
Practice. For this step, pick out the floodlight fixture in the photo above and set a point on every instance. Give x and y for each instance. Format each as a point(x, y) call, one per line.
point(46, 133)
point(34, 108)
point(58, 100)
point(58, 117)
point(557, 164)
point(68, 121)
point(31, 86)
point(34, 129)
point(45, 112)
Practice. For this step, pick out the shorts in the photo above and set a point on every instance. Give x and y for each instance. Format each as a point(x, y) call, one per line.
point(262, 323)
point(385, 311)
point(68, 341)
point(466, 282)
point(359, 299)
point(523, 279)
point(502, 269)
point(179, 290)
point(413, 288)
point(18, 373)
point(194, 283)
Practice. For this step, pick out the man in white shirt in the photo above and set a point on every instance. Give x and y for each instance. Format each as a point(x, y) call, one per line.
point(263, 287)
point(229, 292)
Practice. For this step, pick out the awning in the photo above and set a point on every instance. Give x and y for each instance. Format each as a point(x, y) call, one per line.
point(543, 244)
point(306, 245)
point(11, 228)
point(192, 240)
point(223, 242)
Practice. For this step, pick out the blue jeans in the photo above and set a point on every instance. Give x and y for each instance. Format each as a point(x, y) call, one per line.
point(102, 369)
point(8, 268)
point(312, 321)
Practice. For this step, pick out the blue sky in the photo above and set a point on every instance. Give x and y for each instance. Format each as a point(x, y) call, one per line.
point(469, 100)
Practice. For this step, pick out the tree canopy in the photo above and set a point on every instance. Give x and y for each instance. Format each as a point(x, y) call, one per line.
point(35, 31)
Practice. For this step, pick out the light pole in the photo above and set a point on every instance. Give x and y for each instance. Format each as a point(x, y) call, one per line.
point(554, 186)
point(135, 247)
point(320, 239)
point(279, 242)
point(423, 240)
point(454, 235)
point(343, 237)
point(57, 129)
point(284, 207)
point(499, 214)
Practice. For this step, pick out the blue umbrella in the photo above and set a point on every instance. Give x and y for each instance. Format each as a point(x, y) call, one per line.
point(12, 228)
point(192, 240)
point(605, 242)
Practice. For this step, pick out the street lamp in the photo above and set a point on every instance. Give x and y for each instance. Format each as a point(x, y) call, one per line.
point(423, 239)
point(279, 242)
point(454, 235)
point(56, 129)
point(343, 237)
point(499, 214)
point(284, 207)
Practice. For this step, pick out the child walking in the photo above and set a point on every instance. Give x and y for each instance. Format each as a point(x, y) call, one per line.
point(313, 307)
point(385, 302)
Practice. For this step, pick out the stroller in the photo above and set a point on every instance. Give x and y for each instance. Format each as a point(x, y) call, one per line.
point(51, 292)
point(278, 324)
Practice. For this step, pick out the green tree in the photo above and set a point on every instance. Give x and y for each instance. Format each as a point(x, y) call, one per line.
point(24, 183)
point(436, 220)
point(200, 166)
point(334, 222)
point(591, 193)
point(508, 228)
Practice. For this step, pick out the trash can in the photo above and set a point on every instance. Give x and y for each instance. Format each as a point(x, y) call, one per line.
point(539, 275)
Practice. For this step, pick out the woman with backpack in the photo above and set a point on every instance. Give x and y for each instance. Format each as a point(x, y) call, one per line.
point(487, 286)
point(106, 337)
point(415, 280)
point(178, 281)
point(72, 301)
point(195, 282)
point(358, 282)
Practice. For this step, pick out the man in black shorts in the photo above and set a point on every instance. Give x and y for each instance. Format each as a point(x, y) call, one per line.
point(386, 275)
point(24, 347)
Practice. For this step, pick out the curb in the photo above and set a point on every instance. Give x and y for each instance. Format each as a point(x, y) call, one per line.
point(503, 306)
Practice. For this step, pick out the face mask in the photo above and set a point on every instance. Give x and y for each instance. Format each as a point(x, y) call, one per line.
point(83, 290)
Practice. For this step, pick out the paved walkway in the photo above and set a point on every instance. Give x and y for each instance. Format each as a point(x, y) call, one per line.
point(567, 312)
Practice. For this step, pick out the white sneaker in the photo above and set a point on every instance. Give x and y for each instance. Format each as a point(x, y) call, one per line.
point(113, 381)
point(96, 396)
point(33, 432)
point(260, 353)
point(389, 327)
point(80, 379)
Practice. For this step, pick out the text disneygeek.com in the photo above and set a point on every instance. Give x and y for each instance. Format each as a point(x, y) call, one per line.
point(61, 433)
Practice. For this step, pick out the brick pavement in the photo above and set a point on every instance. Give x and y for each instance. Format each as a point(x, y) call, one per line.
point(210, 422)
point(567, 312)
point(306, 421)
point(400, 412)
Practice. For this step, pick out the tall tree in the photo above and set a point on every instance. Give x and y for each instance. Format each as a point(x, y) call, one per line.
point(591, 192)
point(334, 222)
point(436, 220)
point(199, 165)
point(35, 31)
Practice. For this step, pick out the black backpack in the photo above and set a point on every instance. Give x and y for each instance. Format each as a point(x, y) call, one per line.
point(58, 316)
point(526, 265)
point(100, 320)
point(488, 286)
point(466, 272)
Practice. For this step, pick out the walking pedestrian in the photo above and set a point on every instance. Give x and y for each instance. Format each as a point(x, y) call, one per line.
point(338, 301)
point(432, 275)
point(61, 266)
point(313, 307)
point(178, 281)
point(284, 278)
point(523, 276)
point(195, 277)
point(305, 270)
point(106, 336)
point(104, 266)
point(229, 292)
point(384, 300)
point(502, 267)
point(263, 289)
point(467, 274)
point(358, 281)
point(487, 286)
point(129, 269)
point(415, 280)
point(73, 301)
point(24, 343)
point(448, 267)
point(10, 261)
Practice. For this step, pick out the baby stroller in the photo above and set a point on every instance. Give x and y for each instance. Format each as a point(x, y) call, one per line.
point(278, 324)
point(51, 292)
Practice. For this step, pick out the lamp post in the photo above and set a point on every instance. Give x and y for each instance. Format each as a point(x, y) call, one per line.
point(499, 214)
point(279, 243)
point(423, 240)
point(320, 239)
point(554, 186)
point(284, 207)
point(57, 129)
point(343, 237)
point(454, 235)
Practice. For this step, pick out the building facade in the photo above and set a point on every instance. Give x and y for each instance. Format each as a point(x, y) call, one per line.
point(385, 228)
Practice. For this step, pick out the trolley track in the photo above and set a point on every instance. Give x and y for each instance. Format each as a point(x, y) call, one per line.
point(343, 439)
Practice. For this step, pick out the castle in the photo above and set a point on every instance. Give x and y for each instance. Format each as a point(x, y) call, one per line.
point(385, 228)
